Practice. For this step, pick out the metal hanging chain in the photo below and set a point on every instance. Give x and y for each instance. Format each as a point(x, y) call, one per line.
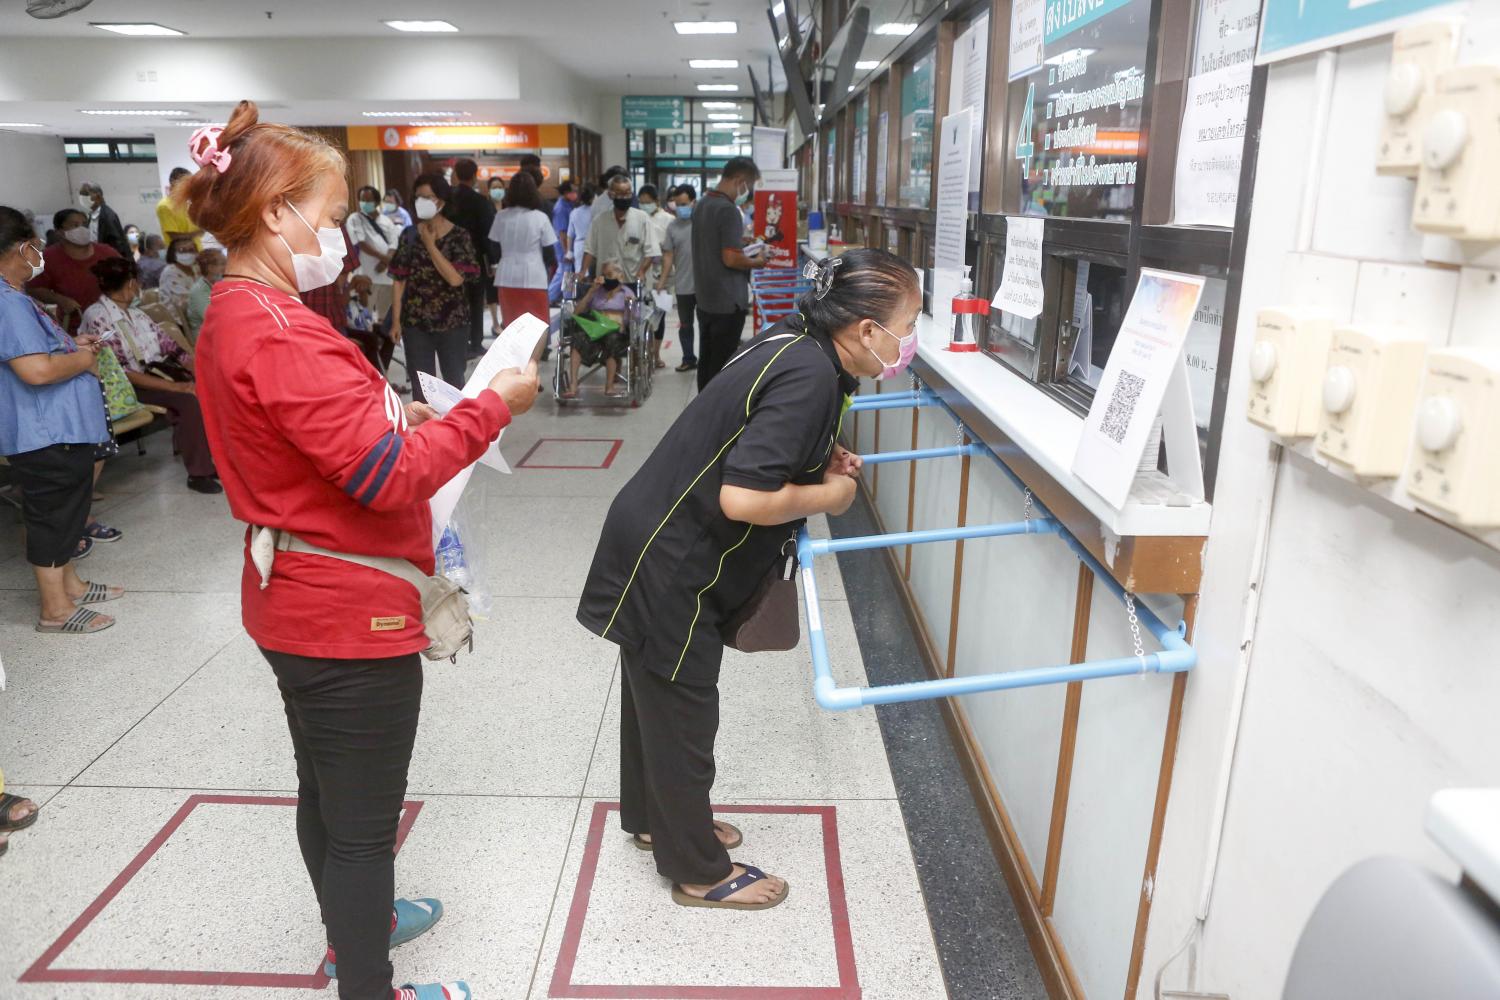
point(1135, 629)
point(961, 435)
point(1026, 505)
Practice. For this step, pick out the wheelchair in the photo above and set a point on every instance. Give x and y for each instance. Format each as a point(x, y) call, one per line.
point(631, 347)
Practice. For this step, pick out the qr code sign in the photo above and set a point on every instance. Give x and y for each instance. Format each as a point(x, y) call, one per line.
point(1122, 406)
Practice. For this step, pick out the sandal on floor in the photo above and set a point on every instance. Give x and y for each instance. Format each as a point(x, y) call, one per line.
point(82, 622)
point(85, 546)
point(9, 802)
point(734, 841)
point(98, 593)
point(436, 991)
point(410, 918)
point(715, 900)
point(102, 532)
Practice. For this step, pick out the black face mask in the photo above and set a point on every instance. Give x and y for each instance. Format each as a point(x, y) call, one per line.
point(610, 284)
point(621, 204)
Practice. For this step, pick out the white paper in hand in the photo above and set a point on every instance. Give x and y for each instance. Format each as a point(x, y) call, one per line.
point(663, 300)
point(440, 395)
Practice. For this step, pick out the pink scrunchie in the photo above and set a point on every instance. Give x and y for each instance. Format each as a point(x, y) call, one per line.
point(204, 147)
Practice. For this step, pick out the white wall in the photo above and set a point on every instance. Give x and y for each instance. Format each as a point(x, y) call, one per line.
point(34, 175)
point(131, 189)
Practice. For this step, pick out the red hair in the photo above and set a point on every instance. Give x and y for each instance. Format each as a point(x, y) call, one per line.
point(269, 163)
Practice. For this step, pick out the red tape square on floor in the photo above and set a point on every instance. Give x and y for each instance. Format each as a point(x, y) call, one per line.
point(609, 457)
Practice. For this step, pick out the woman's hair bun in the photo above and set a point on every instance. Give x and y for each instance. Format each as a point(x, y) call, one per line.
point(245, 117)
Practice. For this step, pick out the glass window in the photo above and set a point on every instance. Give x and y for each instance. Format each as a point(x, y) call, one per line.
point(882, 156)
point(830, 165)
point(917, 102)
point(1093, 307)
point(859, 149)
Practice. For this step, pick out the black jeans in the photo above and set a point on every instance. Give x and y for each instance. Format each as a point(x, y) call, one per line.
point(427, 350)
point(686, 305)
point(719, 336)
point(57, 489)
point(353, 724)
point(475, 292)
point(667, 732)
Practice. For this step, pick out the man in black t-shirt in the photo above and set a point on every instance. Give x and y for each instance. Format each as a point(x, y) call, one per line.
point(472, 210)
point(721, 270)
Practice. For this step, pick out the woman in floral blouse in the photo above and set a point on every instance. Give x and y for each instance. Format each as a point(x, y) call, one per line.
point(431, 311)
point(159, 369)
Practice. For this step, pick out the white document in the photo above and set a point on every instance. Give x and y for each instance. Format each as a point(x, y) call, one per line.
point(954, 143)
point(440, 395)
point(664, 300)
point(768, 147)
point(966, 90)
point(1021, 289)
point(1147, 355)
point(1027, 18)
point(1210, 146)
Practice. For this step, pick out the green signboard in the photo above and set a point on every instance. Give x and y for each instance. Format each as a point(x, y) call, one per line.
point(653, 112)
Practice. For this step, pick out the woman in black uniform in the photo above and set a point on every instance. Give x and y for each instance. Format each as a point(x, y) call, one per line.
point(693, 534)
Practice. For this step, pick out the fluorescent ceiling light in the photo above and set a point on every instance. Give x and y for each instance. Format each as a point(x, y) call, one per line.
point(1070, 55)
point(147, 28)
point(413, 114)
point(194, 123)
point(21, 125)
point(896, 28)
point(706, 27)
point(780, 8)
point(420, 25)
point(867, 64)
point(462, 122)
point(724, 116)
point(136, 113)
point(714, 63)
point(719, 87)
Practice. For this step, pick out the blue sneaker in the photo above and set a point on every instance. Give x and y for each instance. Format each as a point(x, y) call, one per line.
point(435, 991)
point(410, 918)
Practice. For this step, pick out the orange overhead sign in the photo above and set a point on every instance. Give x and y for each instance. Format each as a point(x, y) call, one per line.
point(445, 137)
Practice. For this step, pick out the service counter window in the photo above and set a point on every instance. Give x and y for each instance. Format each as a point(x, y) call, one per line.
point(918, 89)
point(1012, 340)
point(859, 149)
point(1091, 308)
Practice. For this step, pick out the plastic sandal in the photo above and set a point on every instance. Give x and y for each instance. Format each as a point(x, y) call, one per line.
point(82, 622)
point(100, 532)
point(410, 918)
point(458, 990)
point(98, 593)
point(716, 898)
point(85, 546)
point(9, 802)
point(736, 839)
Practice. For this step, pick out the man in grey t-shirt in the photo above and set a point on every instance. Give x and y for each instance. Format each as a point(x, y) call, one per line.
point(677, 268)
point(721, 270)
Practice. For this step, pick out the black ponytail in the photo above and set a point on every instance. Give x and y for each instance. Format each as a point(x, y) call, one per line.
point(866, 283)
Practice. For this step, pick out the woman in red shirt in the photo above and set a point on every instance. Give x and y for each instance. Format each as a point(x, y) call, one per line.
point(310, 440)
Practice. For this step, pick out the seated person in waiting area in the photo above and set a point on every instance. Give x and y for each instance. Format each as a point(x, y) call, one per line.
point(607, 299)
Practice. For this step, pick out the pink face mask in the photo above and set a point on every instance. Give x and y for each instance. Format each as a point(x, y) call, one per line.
point(907, 352)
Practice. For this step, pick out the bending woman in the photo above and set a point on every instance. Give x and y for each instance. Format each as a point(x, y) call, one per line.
point(311, 441)
point(693, 534)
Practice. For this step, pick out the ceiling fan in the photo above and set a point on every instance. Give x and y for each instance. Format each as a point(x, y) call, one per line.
point(46, 10)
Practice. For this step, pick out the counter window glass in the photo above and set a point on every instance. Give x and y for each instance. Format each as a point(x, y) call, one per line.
point(859, 148)
point(831, 184)
point(1075, 120)
point(1094, 297)
point(917, 102)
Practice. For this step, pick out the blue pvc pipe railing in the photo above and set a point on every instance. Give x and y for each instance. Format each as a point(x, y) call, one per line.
point(1175, 656)
point(895, 401)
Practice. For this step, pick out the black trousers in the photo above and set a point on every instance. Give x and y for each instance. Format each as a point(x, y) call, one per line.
point(353, 724)
point(719, 337)
point(667, 732)
point(475, 291)
point(57, 489)
point(686, 306)
point(427, 350)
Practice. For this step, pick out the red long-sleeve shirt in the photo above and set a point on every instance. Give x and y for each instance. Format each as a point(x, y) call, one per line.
point(308, 438)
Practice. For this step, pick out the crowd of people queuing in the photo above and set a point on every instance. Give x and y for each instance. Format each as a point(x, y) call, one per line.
point(285, 302)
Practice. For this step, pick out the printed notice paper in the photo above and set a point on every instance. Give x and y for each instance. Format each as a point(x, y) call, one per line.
point(1021, 285)
point(952, 213)
point(1026, 18)
point(1145, 358)
point(1209, 147)
point(966, 90)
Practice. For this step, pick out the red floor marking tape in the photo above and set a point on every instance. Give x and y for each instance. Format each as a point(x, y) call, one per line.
point(609, 459)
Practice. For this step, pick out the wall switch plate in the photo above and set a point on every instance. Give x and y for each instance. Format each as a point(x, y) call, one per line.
point(1456, 194)
point(1286, 369)
point(1369, 394)
point(1454, 469)
point(1419, 53)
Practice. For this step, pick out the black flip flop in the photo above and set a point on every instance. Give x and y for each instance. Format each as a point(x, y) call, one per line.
point(9, 802)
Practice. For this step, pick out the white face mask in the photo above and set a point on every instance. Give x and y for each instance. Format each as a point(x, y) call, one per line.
point(41, 262)
point(79, 236)
point(426, 209)
point(86, 203)
point(314, 271)
point(187, 259)
point(388, 207)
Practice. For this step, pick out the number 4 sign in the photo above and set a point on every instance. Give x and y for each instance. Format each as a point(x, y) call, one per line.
point(1145, 376)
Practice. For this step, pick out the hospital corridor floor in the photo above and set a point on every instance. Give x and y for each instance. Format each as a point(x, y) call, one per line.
point(164, 863)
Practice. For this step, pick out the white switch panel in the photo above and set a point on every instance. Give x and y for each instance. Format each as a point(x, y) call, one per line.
point(1418, 55)
point(1454, 467)
point(1456, 191)
point(1369, 392)
point(1286, 369)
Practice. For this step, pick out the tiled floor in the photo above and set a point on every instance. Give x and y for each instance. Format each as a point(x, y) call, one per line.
point(511, 784)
